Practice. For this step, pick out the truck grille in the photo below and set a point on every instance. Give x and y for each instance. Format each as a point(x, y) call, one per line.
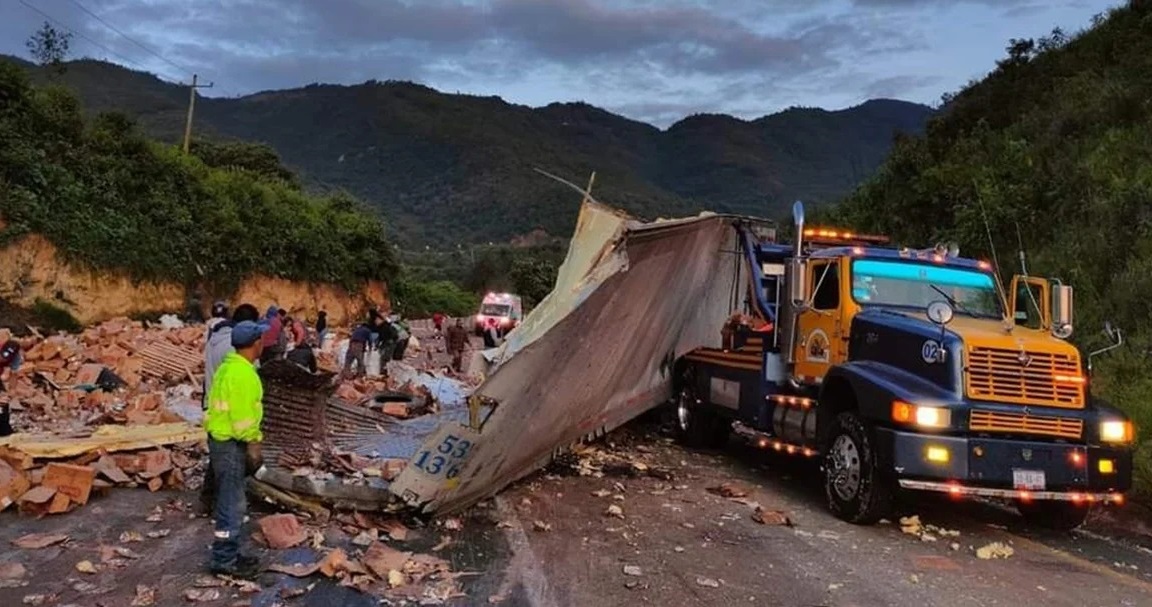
point(990, 421)
point(1051, 380)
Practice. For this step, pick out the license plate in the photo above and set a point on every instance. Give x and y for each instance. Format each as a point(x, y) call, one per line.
point(1028, 479)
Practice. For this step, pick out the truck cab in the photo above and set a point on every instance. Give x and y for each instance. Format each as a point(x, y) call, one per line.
point(905, 369)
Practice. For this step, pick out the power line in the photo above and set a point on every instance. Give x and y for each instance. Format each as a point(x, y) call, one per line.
point(82, 35)
point(130, 38)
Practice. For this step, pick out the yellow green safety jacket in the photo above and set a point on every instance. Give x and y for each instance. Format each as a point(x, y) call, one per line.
point(235, 407)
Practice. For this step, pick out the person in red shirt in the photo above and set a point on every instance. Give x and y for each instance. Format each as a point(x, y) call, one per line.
point(299, 333)
point(272, 346)
point(438, 323)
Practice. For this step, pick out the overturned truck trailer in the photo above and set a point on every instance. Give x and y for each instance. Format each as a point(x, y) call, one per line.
point(630, 299)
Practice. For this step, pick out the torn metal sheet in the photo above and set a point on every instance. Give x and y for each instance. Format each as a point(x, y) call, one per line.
point(630, 299)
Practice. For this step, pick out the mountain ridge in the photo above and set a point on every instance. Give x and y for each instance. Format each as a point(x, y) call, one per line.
point(446, 168)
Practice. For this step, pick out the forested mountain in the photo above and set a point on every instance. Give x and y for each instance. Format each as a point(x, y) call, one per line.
point(448, 168)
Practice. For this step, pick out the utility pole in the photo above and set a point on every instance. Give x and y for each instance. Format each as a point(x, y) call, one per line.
point(191, 108)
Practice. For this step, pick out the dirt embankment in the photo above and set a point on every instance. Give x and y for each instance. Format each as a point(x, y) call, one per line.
point(31, 269)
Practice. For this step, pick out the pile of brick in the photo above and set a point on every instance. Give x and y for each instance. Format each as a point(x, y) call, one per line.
point(38, 487)
point(116, 372)
point(75, 401)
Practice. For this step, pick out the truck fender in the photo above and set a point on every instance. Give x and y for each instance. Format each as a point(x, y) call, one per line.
point(870, 387)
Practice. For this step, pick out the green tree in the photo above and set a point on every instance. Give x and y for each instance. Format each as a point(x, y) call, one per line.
point(257, 158)
point(533, 278)
point(110, 198)
point(49, 47)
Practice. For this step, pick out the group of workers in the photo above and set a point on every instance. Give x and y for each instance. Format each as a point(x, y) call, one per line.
point(238, 342)
point(388, 335)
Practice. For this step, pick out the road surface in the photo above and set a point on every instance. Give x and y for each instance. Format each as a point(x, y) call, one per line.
point(693, 547)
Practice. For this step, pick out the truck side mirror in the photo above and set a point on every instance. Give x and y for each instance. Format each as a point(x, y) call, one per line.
point(798, 281)
point(1061, 311)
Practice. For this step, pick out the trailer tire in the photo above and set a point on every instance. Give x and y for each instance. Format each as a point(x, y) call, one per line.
point(1058, 516)
point(857, 489)
point(697, 424)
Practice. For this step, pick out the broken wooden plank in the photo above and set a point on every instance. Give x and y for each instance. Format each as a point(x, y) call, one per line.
point(107, 438)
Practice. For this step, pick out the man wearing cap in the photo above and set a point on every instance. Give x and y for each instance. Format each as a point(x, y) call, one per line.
point(216, 348)
point(235, 410)
point(9, 361)
point(219, 315)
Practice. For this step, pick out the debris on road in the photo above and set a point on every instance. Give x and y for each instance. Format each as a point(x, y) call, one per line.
point(771, 517)
point(614, 511)
point(730, 490)
point(282, 531)
point(707, 582)
point(85, 567)
point(995, 550)
point(106, 407)
point(34, 541)
point(911, 525)
point(633, 570)
point(324, 451)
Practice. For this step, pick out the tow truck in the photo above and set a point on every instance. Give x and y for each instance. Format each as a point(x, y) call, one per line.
point(901, 369)
point(504, 309)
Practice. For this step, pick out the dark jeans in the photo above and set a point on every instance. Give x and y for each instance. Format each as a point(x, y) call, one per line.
point(355, 355)
point(228, 464)
point(5, 417)
point(5, 420)
point(208, 490)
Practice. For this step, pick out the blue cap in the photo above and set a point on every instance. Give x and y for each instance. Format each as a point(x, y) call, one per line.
point(245, 333)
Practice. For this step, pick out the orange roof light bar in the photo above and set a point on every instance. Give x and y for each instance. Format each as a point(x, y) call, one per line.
point(833, 235)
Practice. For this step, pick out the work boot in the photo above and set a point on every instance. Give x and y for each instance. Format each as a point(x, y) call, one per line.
point(245, 568)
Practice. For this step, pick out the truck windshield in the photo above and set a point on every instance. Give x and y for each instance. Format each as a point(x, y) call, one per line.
point(490, 309)
point(908, 284)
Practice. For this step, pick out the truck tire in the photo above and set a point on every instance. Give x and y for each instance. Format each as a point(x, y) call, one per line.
point(1058, 516)
point(854, 481)
point(698, 424)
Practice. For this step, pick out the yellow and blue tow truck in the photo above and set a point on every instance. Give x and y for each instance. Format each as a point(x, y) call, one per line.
point(903, 369)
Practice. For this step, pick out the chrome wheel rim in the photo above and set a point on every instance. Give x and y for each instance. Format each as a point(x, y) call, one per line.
point(844, 468)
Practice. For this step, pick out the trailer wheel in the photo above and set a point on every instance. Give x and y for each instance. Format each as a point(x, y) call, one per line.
point(1059, 516)
point(697, 424)
point(854, 482)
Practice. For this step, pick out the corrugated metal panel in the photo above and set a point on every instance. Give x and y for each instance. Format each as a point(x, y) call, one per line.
point(299, 411)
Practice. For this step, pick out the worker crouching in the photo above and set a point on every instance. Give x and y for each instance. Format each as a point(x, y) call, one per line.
point(235, 411)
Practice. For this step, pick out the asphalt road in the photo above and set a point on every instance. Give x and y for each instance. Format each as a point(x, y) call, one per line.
point(696, 548)
point(548, 541)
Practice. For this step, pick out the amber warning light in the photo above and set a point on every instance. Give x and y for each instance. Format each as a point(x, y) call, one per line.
point(834, 236)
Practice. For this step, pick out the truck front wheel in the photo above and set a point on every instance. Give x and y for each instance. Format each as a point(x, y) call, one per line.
point(697, 424)
point(1059, 516)
point(857, 489)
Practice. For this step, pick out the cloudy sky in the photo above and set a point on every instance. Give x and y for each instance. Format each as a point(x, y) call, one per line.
point(654, 60)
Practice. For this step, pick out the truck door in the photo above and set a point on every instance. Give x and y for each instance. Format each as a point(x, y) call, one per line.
point(821, 337)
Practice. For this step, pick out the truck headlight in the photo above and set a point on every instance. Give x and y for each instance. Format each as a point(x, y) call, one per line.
point(925, 417)
point(1116, 431)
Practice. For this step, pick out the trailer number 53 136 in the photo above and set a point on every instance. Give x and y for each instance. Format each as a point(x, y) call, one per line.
point(447, 457)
